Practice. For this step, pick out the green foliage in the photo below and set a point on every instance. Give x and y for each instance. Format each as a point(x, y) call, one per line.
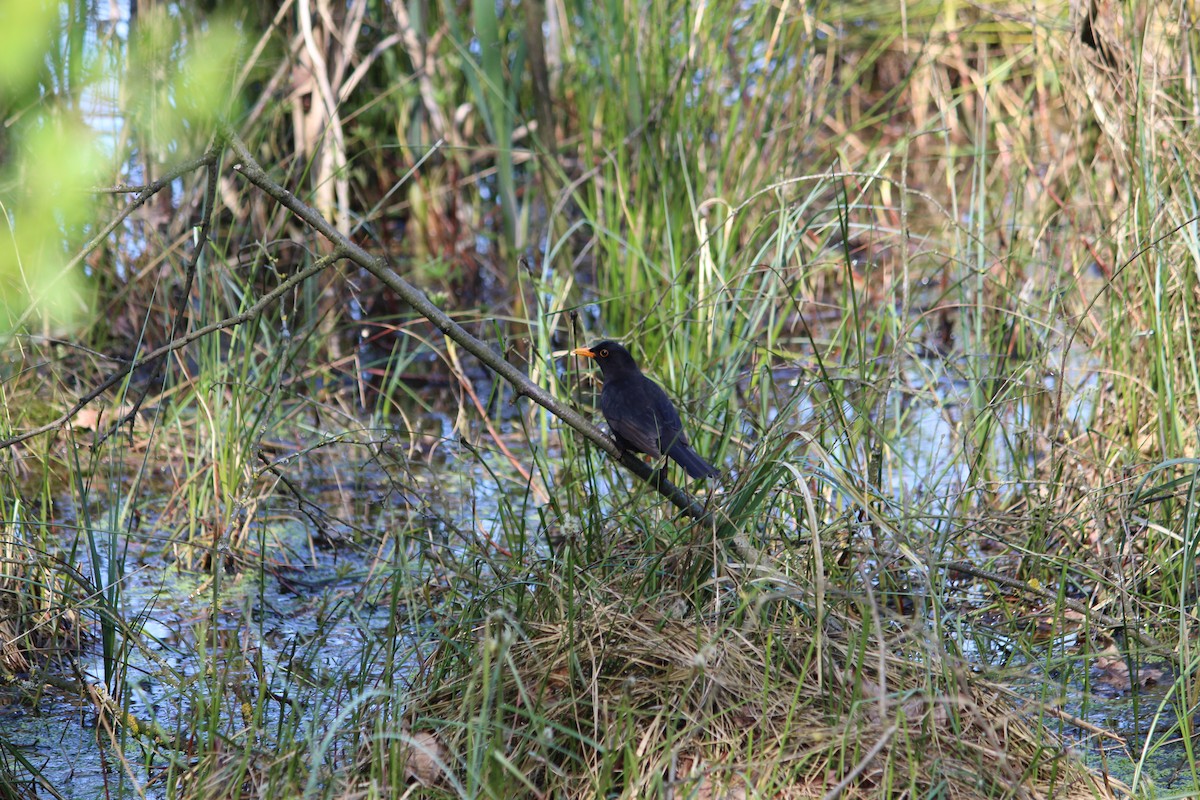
point(49, 215)
point(51, 157)
point(27, 31)
point(55, 93)
point(181, 79)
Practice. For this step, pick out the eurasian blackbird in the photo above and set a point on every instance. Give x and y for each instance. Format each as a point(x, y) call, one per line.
point(639, 412)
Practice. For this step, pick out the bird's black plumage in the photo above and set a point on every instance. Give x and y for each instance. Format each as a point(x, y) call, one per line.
point(639, 412)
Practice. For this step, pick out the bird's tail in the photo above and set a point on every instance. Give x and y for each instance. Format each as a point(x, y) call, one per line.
point(691, 461)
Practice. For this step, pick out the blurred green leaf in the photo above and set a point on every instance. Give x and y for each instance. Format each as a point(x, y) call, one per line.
point(26, 31)
point(181, 80)
point(48, 211)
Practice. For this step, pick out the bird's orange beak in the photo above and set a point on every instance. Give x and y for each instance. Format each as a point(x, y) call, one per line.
point(583, 351)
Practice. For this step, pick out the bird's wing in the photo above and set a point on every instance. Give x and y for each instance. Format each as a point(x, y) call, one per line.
point(644, 417)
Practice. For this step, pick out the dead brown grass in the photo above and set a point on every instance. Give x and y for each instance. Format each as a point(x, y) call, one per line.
point(634, 699)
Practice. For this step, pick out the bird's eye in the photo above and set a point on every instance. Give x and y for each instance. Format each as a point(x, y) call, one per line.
point(604, 353)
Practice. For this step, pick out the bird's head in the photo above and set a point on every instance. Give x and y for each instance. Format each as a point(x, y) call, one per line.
point(610, 356)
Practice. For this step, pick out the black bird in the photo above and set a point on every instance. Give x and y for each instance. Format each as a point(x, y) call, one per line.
point(640, 413)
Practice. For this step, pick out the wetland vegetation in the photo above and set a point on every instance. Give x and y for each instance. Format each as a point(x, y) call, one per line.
point(304, 496)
